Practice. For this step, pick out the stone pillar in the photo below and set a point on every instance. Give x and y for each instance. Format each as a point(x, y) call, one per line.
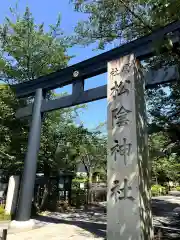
point(12, 194)
point(128, 201)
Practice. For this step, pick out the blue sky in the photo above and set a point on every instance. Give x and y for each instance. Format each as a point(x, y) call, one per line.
point(47, 11)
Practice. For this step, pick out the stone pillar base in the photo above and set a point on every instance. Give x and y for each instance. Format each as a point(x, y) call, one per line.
point(19, 226)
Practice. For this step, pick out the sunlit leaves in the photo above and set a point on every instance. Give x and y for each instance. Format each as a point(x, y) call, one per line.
point(122, 20)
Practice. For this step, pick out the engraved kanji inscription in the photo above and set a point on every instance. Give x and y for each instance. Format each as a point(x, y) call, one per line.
point(120, 116)
point(127, 68)
point(123, 150)
point(120, 193)
point(115, 190)
point(115, 72)
point(119, 89)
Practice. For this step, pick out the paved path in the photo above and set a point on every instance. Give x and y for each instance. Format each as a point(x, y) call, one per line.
point(77, 225)
point(91, 225)
point(54, 232)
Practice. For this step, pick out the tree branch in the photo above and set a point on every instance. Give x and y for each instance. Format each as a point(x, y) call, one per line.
point(136, 16)
point(7, 155)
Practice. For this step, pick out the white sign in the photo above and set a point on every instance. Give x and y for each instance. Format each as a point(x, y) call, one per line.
point(82, 185)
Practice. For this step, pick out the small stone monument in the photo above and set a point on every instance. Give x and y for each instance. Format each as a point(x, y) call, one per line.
point(12, 195)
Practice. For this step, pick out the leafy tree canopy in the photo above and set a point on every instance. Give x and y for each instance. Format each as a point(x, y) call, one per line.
point(122, 20)
point(27, 51)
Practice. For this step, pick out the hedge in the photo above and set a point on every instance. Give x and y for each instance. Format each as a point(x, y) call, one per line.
point(157, 190)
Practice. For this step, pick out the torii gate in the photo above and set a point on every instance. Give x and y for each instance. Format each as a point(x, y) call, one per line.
point(128, 201)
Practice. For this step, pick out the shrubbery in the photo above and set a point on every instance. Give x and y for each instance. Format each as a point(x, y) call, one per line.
point(78, 195)
point(76, 182)
point(157, 190)
point(3, 215)
point(178, 188)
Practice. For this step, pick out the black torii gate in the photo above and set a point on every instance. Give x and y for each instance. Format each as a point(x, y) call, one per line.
point(142, 48)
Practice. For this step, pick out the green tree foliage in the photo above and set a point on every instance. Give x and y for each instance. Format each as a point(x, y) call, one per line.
point(13, 133)
point(56, 131)
point(82, 146)
point(164, 129)
point(165, 163)
point(122, 20)
point(27, 52)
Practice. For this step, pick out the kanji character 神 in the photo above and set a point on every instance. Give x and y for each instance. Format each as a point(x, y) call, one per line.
point(123, 150)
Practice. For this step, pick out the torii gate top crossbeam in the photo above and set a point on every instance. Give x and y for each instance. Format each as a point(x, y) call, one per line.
point(142, 48)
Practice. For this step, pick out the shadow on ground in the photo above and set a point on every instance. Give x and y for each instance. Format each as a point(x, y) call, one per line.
point(163, 207)
point(98, 229)
point(94, 220)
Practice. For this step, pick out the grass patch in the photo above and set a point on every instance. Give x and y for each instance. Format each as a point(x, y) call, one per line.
point(3, 215)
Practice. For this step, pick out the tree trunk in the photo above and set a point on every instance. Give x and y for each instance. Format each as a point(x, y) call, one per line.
point(156, 181)
point(46, 187)
point(89, 189)
point(45, 197)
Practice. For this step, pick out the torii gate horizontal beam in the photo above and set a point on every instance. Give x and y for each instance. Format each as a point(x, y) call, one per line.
point(79, 96)
point(142, 48)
